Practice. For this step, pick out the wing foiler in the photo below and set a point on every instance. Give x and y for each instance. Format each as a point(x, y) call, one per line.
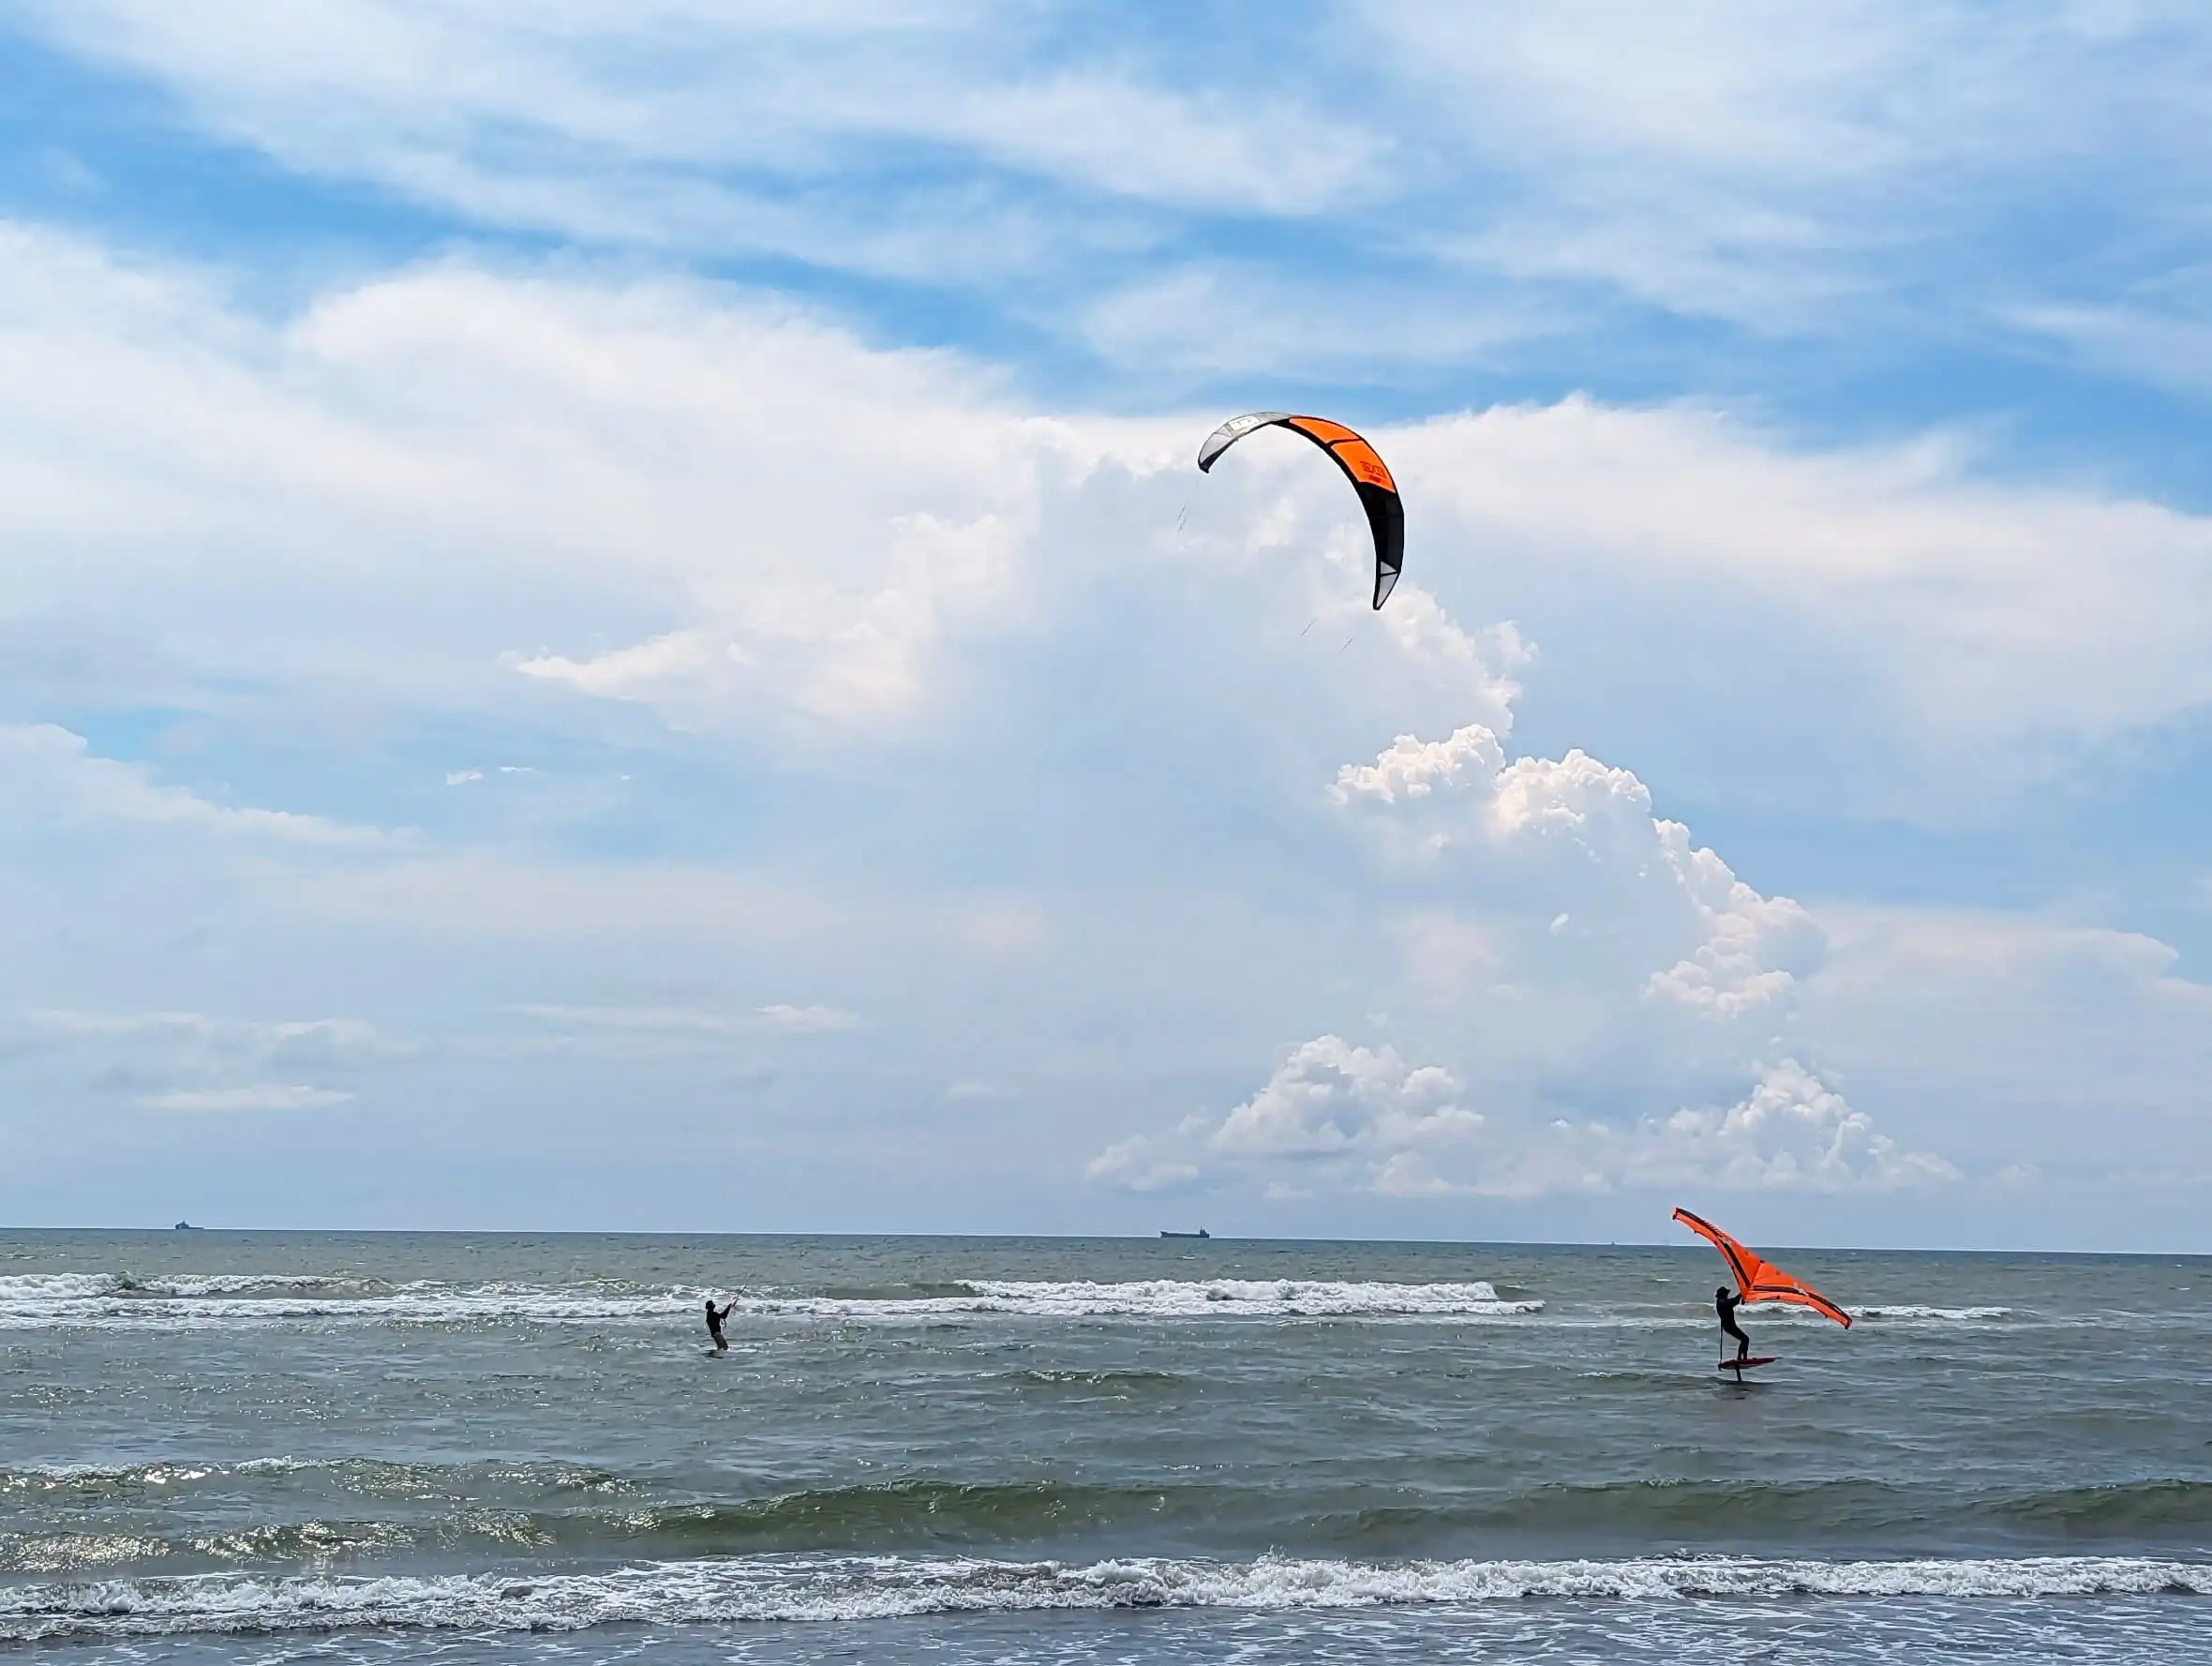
point(1758, 1279)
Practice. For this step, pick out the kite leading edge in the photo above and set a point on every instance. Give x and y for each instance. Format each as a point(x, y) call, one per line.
point(1758, 1279)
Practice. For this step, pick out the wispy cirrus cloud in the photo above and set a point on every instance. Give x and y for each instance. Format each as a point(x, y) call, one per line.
point(49, 762)
point(270, 1096)
point(707, 128)
point(777, 1017)
point(1465, 184)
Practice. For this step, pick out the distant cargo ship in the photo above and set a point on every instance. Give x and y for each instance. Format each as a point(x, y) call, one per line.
point(1201, 1232)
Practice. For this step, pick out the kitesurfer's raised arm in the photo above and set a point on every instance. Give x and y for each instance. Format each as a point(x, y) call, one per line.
point(714, 1321)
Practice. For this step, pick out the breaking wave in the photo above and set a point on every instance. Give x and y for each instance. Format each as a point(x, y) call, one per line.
point(1217, 1297)
point(35, 1302)
point(844, 1588)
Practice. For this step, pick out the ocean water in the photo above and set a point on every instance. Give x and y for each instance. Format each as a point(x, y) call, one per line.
point(262, 1447)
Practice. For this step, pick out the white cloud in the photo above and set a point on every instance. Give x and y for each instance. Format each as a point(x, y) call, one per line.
point(1407, 1173)
point(1412, 769)
point(191, 1061)
point(697, 125)
point(60, 773)
point(1982, 623)
point(686, 1019)
point(1576, 831)
point(849, 657)
point(1755, 946)
point(1223, 151)
point(1330, 1098)
point(1009, 743)
point(1791, 1132)
point(1239, 317)
point(1788, 171)
point(808, 1020)
point(1336, 1118)
point(2165, 348)
point(299, 1040)
point(2017, 1039)
point(531, 463)
point(1455, 958)
point(558, 485)
point(624, 673)
point(1131, 1163)
point(1788, 174)
point(264, 1096)
point(528, 896)
point(1928, 945)
point(1351, 1115)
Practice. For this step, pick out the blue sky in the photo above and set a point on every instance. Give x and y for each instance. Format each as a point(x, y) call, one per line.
point(609, 621)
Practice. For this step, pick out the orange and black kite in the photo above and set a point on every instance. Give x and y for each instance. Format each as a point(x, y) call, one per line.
point(1368, 472)
point(1758, 1279)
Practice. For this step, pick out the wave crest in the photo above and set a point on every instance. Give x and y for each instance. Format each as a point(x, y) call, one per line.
point(790, 1589)
point(36, 1301)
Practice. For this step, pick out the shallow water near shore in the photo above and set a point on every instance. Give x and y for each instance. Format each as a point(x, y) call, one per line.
point(253, 1446)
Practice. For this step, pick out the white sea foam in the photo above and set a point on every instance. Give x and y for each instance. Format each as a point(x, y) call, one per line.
point(260, 1283)
point(40, 1302)
point(1189, 1298)
point(37, 1301)
point(1160, 1298)
point(794, 1588)
point(1771, 1312)
point(54, 1286)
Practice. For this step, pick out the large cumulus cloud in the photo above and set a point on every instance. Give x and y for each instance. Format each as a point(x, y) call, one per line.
point(1342, 1117)
point(470, 642)
point(1548, 839)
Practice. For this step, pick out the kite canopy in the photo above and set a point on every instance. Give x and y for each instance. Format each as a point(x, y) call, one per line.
point(1369, 475)
point(1758, 1279)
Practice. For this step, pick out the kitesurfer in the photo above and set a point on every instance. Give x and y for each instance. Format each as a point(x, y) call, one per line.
point(1725, 1300)
point(714, 1319)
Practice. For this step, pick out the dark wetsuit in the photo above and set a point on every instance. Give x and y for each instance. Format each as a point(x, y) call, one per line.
point(715, 1325)
point(1728, 1304)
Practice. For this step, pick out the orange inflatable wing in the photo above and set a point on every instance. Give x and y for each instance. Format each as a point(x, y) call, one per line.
point(1758, 1279)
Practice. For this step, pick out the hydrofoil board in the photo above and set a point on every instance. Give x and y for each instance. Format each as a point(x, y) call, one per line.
point(1754, 1359)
